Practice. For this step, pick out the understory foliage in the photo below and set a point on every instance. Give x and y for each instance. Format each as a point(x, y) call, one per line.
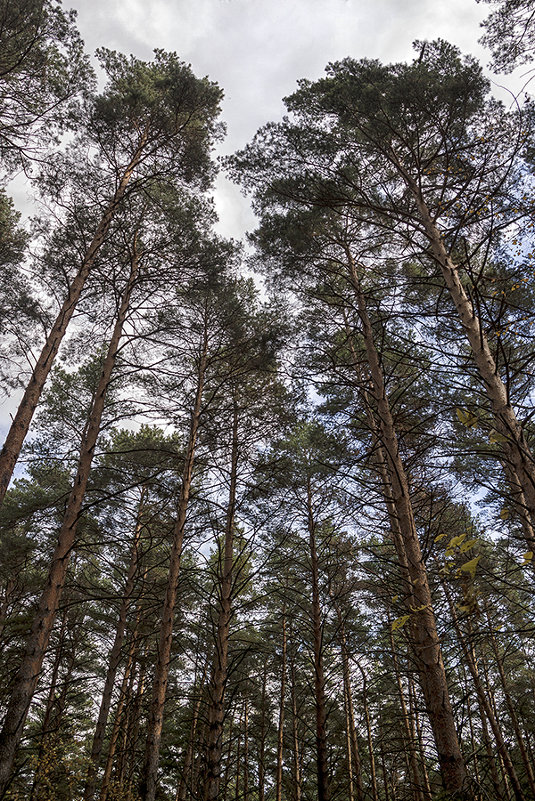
point(277, 545)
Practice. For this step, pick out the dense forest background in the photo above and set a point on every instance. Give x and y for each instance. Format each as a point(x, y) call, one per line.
point(267, 522)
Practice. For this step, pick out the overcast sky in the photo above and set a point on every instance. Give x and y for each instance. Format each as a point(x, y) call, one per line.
point(257, 49)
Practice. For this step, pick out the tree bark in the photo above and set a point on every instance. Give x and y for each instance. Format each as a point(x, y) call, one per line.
point(470, 661)
point(114, 658)
point(21, 422)
point(280, 733)
point(373, 771)
point(123, 693)
point(161, 674)
point(408, 726)
point(424, 636)
point(297, 778)
point(324, 792)
point(414, 710)
point(188, 756)
point(512, 712)
point(28, 674)
point(218, 681)
point(515, 448)
point(262, 744)
point(355, 766)
point(45, 730)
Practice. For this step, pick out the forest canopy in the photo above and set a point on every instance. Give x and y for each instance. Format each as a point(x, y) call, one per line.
point(267, 508)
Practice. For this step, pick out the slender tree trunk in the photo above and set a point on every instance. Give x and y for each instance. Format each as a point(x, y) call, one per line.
point(159, 687)
point(28, 674)
point(229, 760)
point(114, 658)
point(262, 744)
point(373, 771)
point(351, 783)
point(355, 769)
point(134, 736)
point(408, 726)
point(238, 756)
point(297, 779)
point(245, 794)
point(471, 663)
point(414, 707)
point(424, 634)
point(520, 506)
point(21, 422)
point(280, 734)
point(118, 719)
point(34, 795)
point(383, 770)
point(218, 681)
point(515, 448)
point(324, 792)
point(512, 712)
point(188, 756)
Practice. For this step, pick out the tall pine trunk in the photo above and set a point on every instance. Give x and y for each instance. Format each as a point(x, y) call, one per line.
point(515, 447)
point(28, 674)
point(161, 673)
point(424, 636)
point(118, 717)
point(324, 790)
point(471, 662)
point(114, 658)
point(220, 669)
point(27, 406)
point(354, 753)
point(282, 701)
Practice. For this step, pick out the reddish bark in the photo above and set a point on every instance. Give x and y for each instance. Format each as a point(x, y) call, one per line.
point(28, 674)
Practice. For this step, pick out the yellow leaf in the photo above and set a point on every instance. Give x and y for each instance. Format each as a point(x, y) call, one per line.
point(505, 514)
point(399, 622)
point(467, 418)
point(527, 557)
point(468, 544)
point(470, 567)
point(455, 541)
point(395, 598)
point(440, 537)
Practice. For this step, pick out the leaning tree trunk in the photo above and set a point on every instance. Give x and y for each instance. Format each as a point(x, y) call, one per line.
point(218, 681)
point(262, 739)
point(528, 767)
point(424, 635)
point(367, 718)
point(161, 673)
point(21, 422)
point(470, 661)
point(42, 756)
point(515, 447)
point(28, 674)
